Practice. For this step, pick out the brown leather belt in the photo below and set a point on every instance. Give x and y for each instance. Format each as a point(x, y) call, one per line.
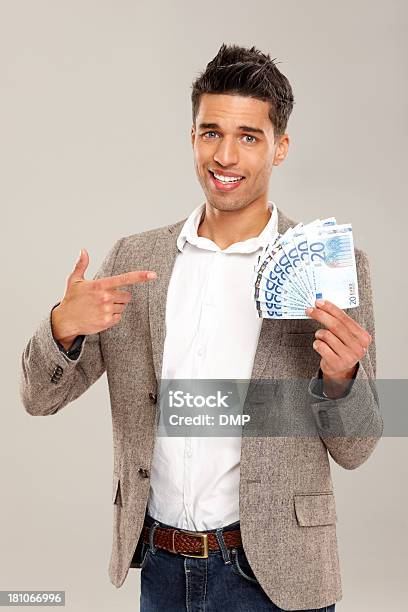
point(190, 543)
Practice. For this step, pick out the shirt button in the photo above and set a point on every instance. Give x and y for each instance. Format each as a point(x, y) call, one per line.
point(153, 397)
point(143, 472)
point(200, 351)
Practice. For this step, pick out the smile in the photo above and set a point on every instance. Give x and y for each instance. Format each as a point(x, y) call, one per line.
point(226, 183)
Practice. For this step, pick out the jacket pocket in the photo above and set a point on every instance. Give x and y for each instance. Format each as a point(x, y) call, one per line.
point(304, 339)
point(116, 494)
point(315, 509)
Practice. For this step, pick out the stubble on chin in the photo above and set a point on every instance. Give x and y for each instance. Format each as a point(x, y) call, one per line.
point(226, 205)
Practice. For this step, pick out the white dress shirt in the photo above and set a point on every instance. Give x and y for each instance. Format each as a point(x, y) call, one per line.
point(212, 332)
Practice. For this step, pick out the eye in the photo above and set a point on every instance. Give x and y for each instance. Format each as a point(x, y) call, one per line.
point(212, 132)
point(249, 136)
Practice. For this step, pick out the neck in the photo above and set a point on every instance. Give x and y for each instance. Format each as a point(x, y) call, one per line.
point(225, 227)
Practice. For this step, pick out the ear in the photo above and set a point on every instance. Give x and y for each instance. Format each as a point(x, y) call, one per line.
point(281, 150)
point(192, 135)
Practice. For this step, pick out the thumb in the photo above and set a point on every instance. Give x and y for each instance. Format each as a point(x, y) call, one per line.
point(80, 267)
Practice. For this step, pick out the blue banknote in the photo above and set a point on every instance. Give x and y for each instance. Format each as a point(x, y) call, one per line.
point(307, 262)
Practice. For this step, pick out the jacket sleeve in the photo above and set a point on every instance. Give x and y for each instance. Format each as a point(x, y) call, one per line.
point(49, 378)
point(351, 426)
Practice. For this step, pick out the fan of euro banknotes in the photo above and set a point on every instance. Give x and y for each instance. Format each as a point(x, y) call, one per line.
point(306, 263)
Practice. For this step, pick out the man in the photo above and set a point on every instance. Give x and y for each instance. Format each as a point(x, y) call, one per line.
point(216, 523)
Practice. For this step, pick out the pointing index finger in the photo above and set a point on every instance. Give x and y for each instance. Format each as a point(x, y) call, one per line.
point(127, 278)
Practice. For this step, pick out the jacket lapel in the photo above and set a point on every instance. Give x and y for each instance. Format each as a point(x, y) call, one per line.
point(162, 261)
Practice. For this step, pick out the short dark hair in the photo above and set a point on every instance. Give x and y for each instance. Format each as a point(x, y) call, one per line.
point(246, 72)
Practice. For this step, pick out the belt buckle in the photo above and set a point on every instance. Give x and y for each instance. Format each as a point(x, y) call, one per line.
point(204, 542)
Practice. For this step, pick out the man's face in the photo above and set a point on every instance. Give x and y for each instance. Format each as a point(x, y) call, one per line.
point(223, 143)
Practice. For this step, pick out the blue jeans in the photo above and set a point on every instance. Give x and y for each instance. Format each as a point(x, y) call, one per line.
point(222, 582)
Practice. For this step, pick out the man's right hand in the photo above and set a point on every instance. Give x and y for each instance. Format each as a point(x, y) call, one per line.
point(91, 306)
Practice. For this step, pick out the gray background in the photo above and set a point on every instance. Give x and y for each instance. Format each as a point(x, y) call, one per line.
point(95, 144)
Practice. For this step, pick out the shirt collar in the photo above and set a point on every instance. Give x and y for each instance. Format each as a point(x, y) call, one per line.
point(188, 234)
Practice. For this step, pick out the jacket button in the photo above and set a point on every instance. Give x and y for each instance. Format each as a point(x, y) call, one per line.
point(153, 397)
point(56, 375)
point(143, 472)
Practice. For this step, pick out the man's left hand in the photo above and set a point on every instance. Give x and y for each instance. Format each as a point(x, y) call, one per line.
point(341, 346)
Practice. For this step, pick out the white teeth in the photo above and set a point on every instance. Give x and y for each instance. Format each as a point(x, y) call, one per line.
point(227, 179)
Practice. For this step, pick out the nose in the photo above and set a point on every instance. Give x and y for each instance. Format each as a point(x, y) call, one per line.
point(226, 153)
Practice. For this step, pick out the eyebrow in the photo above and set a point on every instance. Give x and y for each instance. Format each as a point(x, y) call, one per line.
point(244, 128)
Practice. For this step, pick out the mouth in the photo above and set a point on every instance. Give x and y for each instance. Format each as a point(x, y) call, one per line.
point(226, 183)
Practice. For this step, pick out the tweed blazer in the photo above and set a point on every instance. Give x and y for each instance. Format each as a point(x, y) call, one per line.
point(286, 496)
